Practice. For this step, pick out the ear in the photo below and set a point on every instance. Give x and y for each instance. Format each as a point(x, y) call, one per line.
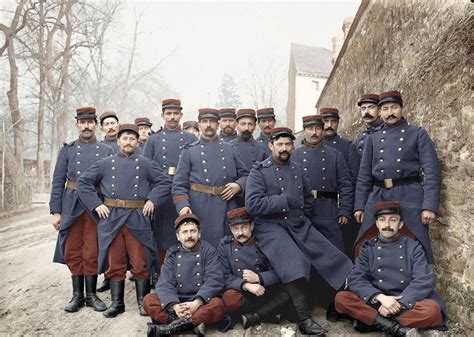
point(400, 226)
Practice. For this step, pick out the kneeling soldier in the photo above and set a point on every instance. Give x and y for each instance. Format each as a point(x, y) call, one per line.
point(191, 278)
point(253, 287)
point(392, 285)
point(132, 186)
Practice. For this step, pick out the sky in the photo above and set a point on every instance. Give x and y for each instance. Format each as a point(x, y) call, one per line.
point(204, 40)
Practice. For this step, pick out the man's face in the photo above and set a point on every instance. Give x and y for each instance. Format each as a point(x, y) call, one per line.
point(144, 131)
point(171, 117)
point(242, 232)
point(330, 126)
point(389, 225)
point(369, 112)
point(227, 125)
point(110, 127)
point(208, 127)
point(391, 113)
point(313, 134)
point(246, 126)
point(194, 131)
point(188, 234)
point(266, 125)
point(127, 142)
point(86, 128)
point(281, 148)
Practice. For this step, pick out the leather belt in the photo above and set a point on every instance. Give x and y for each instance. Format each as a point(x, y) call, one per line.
point(124, 203)
point(214, 190)
point(324, 194)
point(73, 186)
point(389, 183)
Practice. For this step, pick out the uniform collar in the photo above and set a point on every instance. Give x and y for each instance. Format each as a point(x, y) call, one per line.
point(246, 141)
point(132, 156)
point(310, 146)
point(263, 136)
point(333, 138)
point(375, 126)
point(92, 141)
point(383, 240)
point(178, 128)
point(403, 122)
point(214, 139)
point(223, 135)
point(107, 139)
point(280, 164)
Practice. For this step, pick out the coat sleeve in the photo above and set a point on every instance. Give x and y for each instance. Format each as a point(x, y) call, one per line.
point(231, 281)
point(86, 186)
point(59, 180)
point(180, 187)
point(166, 286)
point(257, 201)
point(353, 161)
point(161, 185)
point(358, 279)
point(365, 179)
point(344, 187)
point(242, 170)
point(213, 277)
point(432, 172)
point(422, 281)
point(149, 150)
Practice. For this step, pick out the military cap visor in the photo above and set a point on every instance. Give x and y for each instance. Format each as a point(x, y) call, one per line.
point(390, 96)
point(282, 132)
point(128, 128)
point(388, 207)
point(188, 217)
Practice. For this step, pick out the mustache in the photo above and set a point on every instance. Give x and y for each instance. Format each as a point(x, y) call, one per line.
point(328, 128)
point(391, 116)
point(242, 237)
point(190, 240)
point(267, 127)
point(86, 129)
point(388, 229)
point(367, 115)
point(284, 152)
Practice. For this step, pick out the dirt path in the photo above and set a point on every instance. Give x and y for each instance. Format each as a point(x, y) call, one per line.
point(33, 291)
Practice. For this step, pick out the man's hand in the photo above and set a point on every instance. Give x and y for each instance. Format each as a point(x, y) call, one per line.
point(56, 221)
point(359, 216)
point(230, 190)
point(182, 311)
point(148, 208)
point(250, 276)
point(390, 303)
point(384, 312)
point(253, 288)
point(193, 305)
point(185, 210)
point(342, 220)
point(427, 217)
point(102, 211)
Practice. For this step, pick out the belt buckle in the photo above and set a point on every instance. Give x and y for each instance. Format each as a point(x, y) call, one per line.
point(315, 194)
point(215, 190)
point(120, 203)
point(171, 170)
point(388, 183)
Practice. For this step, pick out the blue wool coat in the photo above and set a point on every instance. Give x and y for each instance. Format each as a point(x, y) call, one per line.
point(264, 140)
point(112, 143)
point(226, 138)
point(349, 152)
point(361, 139)
point(250, 151)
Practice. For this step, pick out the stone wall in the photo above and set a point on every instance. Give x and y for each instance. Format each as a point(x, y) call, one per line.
point(424, 49)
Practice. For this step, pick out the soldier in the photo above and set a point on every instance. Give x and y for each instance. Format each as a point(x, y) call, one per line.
point(109, 124)
point(210, 174)
point(370, 114)
point(227, 124)
point(144, 128)
point(399, 162)
point(192, 127)
point(191, 278)
point(329, 181)
point(77, 239)
point(132, 187)
point(253, 288)
point(266, 122)
point(250, 150)
point(165, 148)
point(278, 196)
point(392, 286)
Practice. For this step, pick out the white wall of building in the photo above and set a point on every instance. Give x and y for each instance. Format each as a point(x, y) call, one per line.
point(308, 89)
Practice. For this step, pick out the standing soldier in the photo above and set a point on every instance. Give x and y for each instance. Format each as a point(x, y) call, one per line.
point(399, 163)
point(132, 187)
point(279, 198)
point(192, 127)
point(210, 174)
point(77, 239)
point(144, 128)
point(186, 295)
point(227, 124)
point(266, 122)
point(329, 181)
point(109, 124)
point(370, 114)
point(250, 150)
point(253, 288)
point(165, 148)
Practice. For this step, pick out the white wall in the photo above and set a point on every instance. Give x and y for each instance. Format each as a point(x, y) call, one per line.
point(307, 95)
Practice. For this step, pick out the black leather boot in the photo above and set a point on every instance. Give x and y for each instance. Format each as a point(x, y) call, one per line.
point(364, 328)
point(171, 328)
point(250, 319)
point(142, 287)
point(105, 285)
point(91, 298)
point(77, 300)
point(392, 327)
point(116, 291)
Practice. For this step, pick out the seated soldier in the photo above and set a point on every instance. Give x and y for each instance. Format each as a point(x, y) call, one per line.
point(391, 287)
point(253, 288)
point(191, 278)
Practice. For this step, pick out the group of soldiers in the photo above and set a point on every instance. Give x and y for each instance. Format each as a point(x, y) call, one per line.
point(230, 228)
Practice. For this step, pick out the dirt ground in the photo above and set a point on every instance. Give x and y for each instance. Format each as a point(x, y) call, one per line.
point(34, 290)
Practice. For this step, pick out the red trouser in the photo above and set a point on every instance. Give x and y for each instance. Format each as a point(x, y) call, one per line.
point(81, 248)
point(232, 299)
point(424, 314)
point(209, 313)
point(123, 245)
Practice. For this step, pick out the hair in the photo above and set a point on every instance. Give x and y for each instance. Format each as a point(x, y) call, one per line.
point(272, 140)
point(92, 119)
